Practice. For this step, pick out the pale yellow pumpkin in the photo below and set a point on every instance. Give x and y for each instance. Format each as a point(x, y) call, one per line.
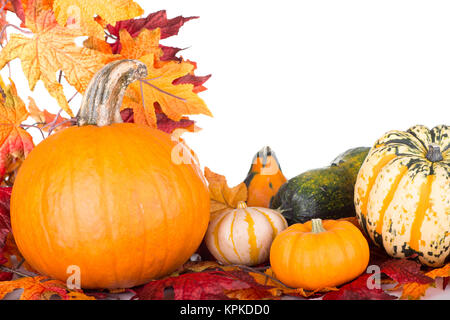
point(244, 235)
point(402, 194)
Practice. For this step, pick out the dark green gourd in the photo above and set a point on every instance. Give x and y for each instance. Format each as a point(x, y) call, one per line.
point(325, 193)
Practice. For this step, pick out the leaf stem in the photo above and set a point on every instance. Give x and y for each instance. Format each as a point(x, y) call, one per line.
point(255, 270)
point(72, 120)
point(19, 273)
point(2, 32)
point(26, 126)
point(50, 124)
point(71, 98)
point(163, 91)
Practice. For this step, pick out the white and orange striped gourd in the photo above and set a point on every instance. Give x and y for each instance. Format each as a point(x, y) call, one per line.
point(402, 194)
point(244, 235)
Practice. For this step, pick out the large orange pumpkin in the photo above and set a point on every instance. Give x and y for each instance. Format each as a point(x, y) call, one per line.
point(107, 197)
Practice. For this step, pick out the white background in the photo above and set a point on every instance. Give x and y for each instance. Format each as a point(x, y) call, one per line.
point(308, 78)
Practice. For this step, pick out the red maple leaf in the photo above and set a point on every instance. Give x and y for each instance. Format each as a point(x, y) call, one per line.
point(168, 27)
point(169, 53)
point(16, 7)
point(5, 223)
point(358, 290)
point(404, 271)
point(5, 227)
point(207, 285)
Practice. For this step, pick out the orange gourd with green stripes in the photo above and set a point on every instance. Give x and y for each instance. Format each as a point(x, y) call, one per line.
point(244, 235)
point(402, 194)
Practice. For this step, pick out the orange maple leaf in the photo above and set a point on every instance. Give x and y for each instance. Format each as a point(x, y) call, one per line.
point(45, 120)
point(158, 90)
point(15, 142)
point(84, 11)
point(175, 101)
point(40, 288)
point(98, 44)
point(49, 50)
point(147, 42)
point(37, 5)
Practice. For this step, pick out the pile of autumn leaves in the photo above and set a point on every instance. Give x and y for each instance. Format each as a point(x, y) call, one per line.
point(45, 44)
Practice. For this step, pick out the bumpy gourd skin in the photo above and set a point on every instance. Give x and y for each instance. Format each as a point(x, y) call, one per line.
point(325, 193)
point(111, 201)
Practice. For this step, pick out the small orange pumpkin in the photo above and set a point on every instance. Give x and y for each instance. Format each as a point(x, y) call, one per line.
point(317, 254)
point(264, 178)
point(108, 197)
point(244, 235)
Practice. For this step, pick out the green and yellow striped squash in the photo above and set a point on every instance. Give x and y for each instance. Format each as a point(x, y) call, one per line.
point(402, 194)
point(244, 235)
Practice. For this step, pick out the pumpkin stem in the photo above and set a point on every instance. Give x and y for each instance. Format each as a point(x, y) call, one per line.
point(241, 205)
point(317, 226)
point(103, 97)
point(434, 153)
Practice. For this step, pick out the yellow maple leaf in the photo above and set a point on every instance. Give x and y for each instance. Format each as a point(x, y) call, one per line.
point(84, 11)
point(49, 50)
